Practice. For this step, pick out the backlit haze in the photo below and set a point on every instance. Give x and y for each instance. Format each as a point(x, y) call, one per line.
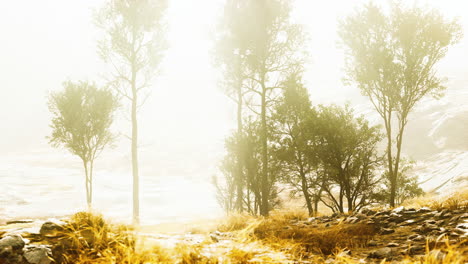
point(182, 125)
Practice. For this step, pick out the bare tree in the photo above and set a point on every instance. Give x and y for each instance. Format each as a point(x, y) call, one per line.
point(82, 116)
point(133, 45)
point(392, 59)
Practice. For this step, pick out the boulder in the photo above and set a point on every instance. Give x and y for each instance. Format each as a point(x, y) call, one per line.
point(11, 249)
point(15, 242)
point(37, 254)
point(50, 229)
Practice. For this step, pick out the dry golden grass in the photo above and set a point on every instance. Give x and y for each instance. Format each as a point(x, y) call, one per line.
point(316, 240)
point(88, 239)
point(454, 201)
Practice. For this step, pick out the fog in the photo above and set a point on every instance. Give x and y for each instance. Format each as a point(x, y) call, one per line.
point(187, 116)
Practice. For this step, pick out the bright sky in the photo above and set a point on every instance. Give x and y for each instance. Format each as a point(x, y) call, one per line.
point(44, 43)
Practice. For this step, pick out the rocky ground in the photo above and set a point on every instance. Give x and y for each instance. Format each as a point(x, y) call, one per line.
point(403, 232)
point(397, 234)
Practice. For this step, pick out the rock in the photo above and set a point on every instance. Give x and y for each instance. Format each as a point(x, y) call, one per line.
point(393, 244)
point(16, 242)
point(424, 210)
point(386, 231)
point(398, 209)
point(381, 253)
point(38, 254)
point(382, 213)
point(372, 243)
point(11, 249)
point(368, 212)
point(50, 229)
point(25, 221)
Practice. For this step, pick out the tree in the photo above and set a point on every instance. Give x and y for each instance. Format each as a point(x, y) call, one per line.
point(82, 116)
point(392, 59)
point(295, 141)
point(408, 186)
point(133, 45)
point(348, 156)
point(270, 45)
point(248, 145)
point(229, 56)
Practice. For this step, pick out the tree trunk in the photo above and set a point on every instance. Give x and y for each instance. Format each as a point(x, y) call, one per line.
point(91, 168)
point(316, 201)
point(87, 184)
point(264, 207)
point(397, 160)
point(239, 182)
point(340, 206)
point(388, 128)
point(306, 194)
point(136, 183)
point(350, 204)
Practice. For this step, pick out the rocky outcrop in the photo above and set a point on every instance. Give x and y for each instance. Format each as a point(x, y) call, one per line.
point(402, 231)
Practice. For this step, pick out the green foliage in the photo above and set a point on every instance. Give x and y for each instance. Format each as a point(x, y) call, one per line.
point(259, 48)
point(82, 116)
point(392, 58)
point(348, 155)
point(294, 140)
point(248, 145)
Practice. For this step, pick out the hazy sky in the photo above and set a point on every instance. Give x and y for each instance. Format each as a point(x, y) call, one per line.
point(44, 43)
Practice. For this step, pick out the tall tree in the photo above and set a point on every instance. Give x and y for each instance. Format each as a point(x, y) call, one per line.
point(230, 56)
point(82, 116)
point(271, 45)
point(294, 118)
point(134, 44)
point(392, 58)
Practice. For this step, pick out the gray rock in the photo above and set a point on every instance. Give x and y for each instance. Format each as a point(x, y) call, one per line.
point(11, 248)
point(15, 241)
point(424, 210)
point(38, 255)
point(398, 209)
point(381, 253)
